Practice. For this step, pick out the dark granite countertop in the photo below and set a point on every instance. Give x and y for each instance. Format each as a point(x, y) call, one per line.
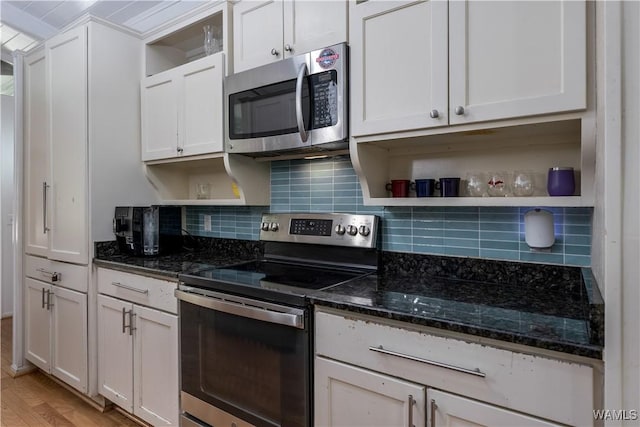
point(550, 307)
point(202, 253)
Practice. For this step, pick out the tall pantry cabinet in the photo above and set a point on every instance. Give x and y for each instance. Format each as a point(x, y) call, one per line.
point(81, 159)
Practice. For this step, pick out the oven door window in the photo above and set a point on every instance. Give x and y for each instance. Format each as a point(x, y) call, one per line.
point(255, 370)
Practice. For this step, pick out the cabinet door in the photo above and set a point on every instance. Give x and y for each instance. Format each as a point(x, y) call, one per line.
point(155, 367)
point(349, 396)
point(69, 337)
point(159, 116)
point(66, 59)
point(201, 99)
point(36, 154)
point(115, 352)
point(37, 324)
point(511, 59)
point(257, 32)
point(454, 411)
point(398, 65)
point(311, 25)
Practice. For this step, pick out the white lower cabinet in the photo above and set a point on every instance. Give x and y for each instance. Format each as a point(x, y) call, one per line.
point(137, 352)
point(449, 410)
point(371, 372)
point(346, 395)
point(56, 331)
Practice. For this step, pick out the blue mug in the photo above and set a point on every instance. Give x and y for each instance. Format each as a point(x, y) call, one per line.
point(425, 187)
point(449, 187)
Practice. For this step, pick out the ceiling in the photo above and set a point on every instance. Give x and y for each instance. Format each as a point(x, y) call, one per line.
point(27, 21)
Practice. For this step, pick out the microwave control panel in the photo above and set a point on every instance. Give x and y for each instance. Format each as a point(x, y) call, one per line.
point(325, 98)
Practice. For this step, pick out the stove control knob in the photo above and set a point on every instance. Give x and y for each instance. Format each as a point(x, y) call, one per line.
point(265, 226)
point(273, 226)
point(364, 230)
point(340, 230)
point(352, 230)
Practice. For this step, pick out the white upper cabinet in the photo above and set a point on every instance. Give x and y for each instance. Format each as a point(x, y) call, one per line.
point(398, 66)
point(200, 95)
point(267, 31)
point(257, 33)
point(66, 59)
point(36, 145)
point(417, 65)
point(513, 59)
point(159, 116)
point(182, 110)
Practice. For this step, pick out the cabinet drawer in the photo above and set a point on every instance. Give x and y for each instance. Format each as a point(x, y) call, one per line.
point(66, 275)
point(552, 389)
point(138, 289)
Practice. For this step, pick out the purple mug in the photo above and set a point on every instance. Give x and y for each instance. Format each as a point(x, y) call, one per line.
point(560, 181)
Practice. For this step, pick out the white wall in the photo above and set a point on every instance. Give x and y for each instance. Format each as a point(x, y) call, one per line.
point(616, 230)
point(6, 205)
point(631, 205)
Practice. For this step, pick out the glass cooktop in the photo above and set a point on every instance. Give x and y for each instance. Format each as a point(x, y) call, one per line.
point(273, 275)
point(278, 282)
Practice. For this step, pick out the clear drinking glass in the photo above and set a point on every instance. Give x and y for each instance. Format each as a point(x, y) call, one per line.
point(476, 184)
point(209, 40)
point(523, 183)
point(498, 184)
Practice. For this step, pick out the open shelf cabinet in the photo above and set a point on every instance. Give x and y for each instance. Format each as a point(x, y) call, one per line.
point(231, 179)
point(532, 147)
point(183, 43)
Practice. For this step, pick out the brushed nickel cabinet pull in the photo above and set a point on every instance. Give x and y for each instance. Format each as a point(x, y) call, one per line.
point(131, 316)
point(130, 288)
point(49, 305)
point(475, 372)
point(44, 207)
point(411, 403)
point(434, 407)
point(124, 315)
point(53, 276)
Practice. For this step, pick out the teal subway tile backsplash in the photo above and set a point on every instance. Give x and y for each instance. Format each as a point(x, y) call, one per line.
point(331, 185)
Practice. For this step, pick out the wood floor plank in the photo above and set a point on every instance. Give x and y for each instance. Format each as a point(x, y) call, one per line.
point(25, 412)
point(9, 418)
point(36, 400)
point(59, 398)
point(52, 416)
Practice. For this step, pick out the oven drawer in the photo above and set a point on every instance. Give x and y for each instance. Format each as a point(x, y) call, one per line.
point(71, 276)
point(142, 290)
point(549, 388)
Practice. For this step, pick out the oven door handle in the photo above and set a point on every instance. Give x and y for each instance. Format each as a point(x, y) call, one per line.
point(299, 117)
point(288, 316)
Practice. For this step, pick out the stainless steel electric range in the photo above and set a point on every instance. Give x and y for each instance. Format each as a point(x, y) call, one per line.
point(246, 329)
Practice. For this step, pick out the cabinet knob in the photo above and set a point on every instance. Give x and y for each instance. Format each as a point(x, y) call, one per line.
point(179, 150)
point(459, 110)
point(275, 52)
point(434, 114)
point(288, 48)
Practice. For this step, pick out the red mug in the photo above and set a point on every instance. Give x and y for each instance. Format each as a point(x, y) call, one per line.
point(399, 187)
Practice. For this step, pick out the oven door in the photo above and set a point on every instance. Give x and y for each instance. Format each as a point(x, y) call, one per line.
point(244, 359)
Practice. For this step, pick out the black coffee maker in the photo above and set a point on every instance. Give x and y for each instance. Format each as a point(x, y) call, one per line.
point(148, 230)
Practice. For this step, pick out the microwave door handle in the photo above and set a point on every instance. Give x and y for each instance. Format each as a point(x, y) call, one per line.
point(301, 73)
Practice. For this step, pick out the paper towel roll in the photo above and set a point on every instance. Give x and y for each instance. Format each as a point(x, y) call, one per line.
point(538, 229)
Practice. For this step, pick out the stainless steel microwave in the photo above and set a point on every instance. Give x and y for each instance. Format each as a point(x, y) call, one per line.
point(299, 104)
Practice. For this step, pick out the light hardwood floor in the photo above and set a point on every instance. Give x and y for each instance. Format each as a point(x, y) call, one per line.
point(37, 400)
